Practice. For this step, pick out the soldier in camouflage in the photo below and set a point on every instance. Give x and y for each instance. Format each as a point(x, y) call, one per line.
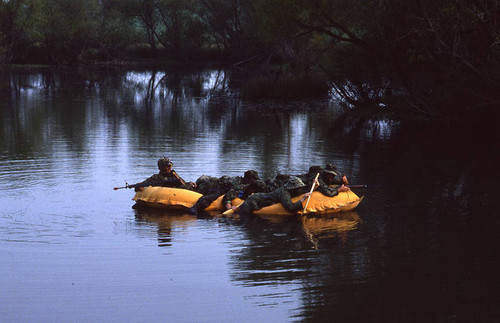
point(293, 187)
point(328, 178)
point(166, 177)
point(278, 181)
point(209, 184)
point(206, 184)
point(311, 174)
point(250, 176)
point(242, 187)
point(242, 192)
point(212, 188)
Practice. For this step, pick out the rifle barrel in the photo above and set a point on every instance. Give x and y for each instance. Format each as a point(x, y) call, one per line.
point(126, 186)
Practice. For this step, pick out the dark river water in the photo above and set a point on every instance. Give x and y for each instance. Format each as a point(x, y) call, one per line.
point(421, 247)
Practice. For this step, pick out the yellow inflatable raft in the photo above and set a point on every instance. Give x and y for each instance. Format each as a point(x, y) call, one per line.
point(181, 199)
point(166, 198)
point(318, 204)
point(175, 199)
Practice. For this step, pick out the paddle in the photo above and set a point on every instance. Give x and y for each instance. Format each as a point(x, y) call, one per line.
point(310, 192)
point(231, 211)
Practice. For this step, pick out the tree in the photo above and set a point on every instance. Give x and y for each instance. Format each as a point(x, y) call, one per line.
point(224, 21)
point(116, 30)
point(442, 55)
point(180, 32)
point(16, 23)
point(68, 28)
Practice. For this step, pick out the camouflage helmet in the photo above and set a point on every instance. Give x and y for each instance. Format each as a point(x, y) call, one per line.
point(294, 182)
point(205, 179)
point(258, 186)
point(315, 169)
point(329, 172)
point(164, 161)
point(224, 179)
point(282, 177)
point(332, 167)
point(251, 174)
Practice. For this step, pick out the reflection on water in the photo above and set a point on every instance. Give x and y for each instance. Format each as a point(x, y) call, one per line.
point(320, 227)
point(317, 228)
point(165, 223)
point(275, 234)
point(161, 112)
point(420, 247)
point(314, 228)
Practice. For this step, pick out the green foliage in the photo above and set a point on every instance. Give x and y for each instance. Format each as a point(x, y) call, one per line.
point(116, 31)
point(68, 28)
point(179, 31)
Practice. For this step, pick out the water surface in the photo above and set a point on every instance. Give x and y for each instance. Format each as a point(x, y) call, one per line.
point(420, 247)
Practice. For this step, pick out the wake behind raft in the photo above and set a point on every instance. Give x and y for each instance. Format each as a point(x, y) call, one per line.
point(181, 199)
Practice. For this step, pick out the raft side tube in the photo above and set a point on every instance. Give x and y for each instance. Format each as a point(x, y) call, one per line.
point(167, 197)
point(179, 199)
point(318, 204)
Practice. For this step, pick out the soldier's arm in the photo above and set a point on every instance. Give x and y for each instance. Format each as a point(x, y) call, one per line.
point(147, 182)
point(328, 191)
point(171, 182)
point(156, 180)
point(287, 203)
point(229, 196)
point(339, 180)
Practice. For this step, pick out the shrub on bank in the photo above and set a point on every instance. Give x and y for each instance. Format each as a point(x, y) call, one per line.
point(284, 86)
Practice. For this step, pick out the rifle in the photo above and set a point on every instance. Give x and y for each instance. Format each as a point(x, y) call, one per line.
point(178, 177)
point(353, 186)
point(191, 185)
point(126, 186)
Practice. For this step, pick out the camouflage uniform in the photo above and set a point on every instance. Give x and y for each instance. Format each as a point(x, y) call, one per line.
point(249, 177)
point(206, 184)
point(212, 190)
point(315, 169)
point(278, 181)
point(327, 178)
point(242, 187)
point(160, 180)
point(311, 174)
point(281, 179)
point(281, 195)
point(170, 179)
point(243, 193)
